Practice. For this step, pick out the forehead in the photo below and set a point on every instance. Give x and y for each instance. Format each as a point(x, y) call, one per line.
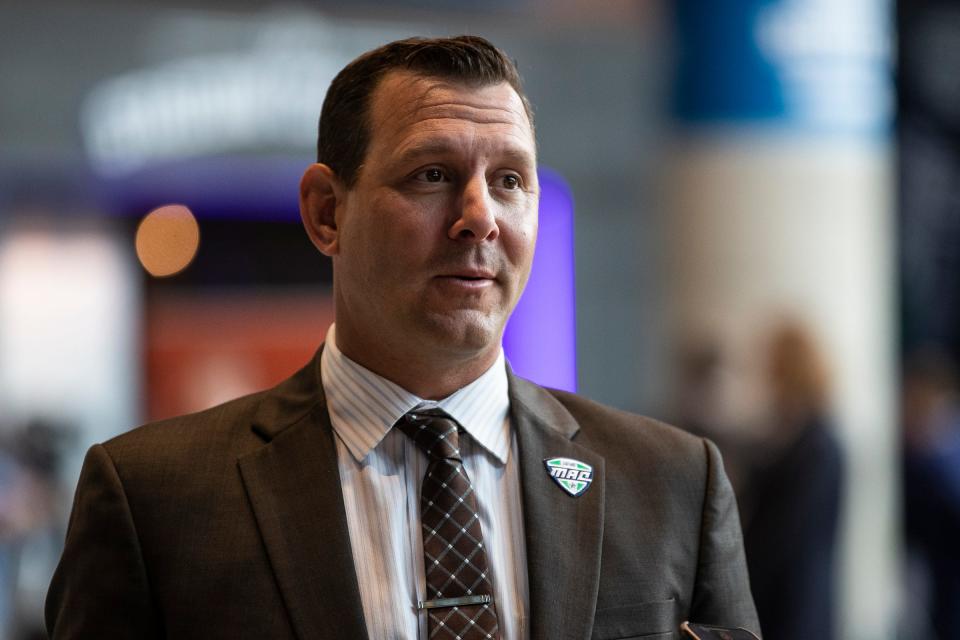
point(406, 105)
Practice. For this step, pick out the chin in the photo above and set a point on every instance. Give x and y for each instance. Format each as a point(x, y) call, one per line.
point(468, 332)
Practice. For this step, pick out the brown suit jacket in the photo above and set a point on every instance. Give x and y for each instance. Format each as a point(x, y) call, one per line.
point(230, 523)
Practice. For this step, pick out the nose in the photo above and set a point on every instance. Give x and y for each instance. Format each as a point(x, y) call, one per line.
point(476, 220)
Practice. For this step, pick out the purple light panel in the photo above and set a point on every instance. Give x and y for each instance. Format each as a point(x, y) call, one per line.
point(540, 340)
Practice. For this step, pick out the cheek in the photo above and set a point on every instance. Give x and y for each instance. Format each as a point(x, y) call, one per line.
point(409, 221)
point(396, 242)
point(369, 232)
point(523, 238)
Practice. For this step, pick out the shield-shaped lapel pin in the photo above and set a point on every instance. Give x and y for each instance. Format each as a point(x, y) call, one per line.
point(571, 475)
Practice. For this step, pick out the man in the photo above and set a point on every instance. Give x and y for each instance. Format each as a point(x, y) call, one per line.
point(405, 483)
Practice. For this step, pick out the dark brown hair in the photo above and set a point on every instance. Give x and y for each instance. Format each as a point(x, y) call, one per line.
point(344, 131)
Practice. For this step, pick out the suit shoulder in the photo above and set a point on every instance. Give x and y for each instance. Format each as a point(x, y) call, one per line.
point(220, 435)
point(604, 424)
point(224, 428)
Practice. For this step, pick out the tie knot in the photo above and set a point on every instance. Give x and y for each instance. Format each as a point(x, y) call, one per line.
point(434, 431)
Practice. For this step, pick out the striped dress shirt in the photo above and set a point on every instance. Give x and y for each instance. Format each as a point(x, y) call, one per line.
point(381, 470)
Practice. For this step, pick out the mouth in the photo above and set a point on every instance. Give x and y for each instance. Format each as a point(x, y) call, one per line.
point(471, 278)
point(470, 274)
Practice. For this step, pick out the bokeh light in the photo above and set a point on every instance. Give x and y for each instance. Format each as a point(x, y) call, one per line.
point(167, 240)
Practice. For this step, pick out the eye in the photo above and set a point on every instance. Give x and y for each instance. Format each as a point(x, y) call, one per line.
point(510, 182)
point(433, 174)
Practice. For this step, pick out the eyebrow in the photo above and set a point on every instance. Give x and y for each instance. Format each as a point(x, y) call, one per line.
point(437, 146)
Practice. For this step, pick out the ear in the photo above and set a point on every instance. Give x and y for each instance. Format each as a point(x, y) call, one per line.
point(320, 193)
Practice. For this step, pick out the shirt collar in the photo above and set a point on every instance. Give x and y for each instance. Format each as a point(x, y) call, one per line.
point(364, 406)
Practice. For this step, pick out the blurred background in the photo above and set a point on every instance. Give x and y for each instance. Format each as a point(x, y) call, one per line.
point(763, 201)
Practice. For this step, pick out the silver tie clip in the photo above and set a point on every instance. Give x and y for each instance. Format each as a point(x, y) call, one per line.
point(453, 602)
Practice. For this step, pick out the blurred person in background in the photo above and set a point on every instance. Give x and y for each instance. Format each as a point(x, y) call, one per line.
point(31, 506)
point(931, 475)
point(296, 512)
point(714, 401)
point(790, 499)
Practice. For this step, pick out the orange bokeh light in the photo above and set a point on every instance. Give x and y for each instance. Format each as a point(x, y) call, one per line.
point(167, 240)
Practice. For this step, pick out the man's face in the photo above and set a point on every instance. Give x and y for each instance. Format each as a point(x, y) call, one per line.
point(436, 238)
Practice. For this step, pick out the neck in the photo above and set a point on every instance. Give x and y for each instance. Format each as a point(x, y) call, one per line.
point(427, 374)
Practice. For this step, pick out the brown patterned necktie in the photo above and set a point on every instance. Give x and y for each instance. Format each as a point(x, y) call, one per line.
point(459, 587)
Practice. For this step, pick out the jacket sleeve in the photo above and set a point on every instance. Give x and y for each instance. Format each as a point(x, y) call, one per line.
point(721, 594)
point(100, 588)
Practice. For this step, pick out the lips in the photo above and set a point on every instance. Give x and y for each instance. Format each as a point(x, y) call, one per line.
point(473, 280)
point(470, 274)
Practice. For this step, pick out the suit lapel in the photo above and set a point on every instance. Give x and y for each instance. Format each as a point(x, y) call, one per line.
point(293, 485)
point(563, 533)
